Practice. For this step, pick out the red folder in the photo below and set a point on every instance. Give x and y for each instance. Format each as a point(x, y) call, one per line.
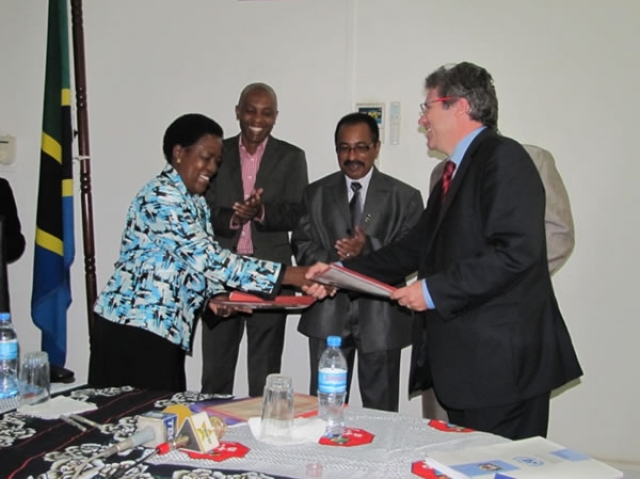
point(238, 298)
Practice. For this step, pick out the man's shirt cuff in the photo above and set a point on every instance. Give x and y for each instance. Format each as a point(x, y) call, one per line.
point(427, 296)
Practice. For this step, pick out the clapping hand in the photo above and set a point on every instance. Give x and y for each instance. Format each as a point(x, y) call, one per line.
point(351, 246)
point(250, 208)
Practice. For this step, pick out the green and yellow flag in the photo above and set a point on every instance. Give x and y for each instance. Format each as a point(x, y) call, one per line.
point(54, 248)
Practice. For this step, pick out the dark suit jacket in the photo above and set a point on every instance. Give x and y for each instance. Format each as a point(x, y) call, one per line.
point(558, 220)
point(496, 335)
point(283, 175)
point(13, 238)
point(391, 208)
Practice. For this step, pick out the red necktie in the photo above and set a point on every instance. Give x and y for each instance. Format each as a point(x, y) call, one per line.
point(447, 174)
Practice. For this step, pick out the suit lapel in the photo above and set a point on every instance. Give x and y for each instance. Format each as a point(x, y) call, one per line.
point(438, 211)
point(433, 213)
point(340, 200)
point(234, 168)
point(268, 163)
point(377, 198)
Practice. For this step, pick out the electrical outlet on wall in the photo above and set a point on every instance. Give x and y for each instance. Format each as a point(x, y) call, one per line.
point(394, 123)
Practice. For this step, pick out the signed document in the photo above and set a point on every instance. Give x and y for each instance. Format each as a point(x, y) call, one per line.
point(238, 298)
point(344, 278)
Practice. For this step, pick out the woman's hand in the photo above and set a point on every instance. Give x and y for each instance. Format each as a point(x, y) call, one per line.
point(300, 277)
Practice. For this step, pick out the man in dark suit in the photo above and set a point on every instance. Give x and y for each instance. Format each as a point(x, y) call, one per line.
point(492, 342)
point(255, 202)
point(386, 209)
point(559, 233)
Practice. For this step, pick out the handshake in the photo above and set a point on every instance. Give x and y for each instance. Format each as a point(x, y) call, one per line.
point(301, 277)
point(322, 280)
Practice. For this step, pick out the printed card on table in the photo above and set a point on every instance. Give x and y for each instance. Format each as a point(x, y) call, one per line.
point(201, 433)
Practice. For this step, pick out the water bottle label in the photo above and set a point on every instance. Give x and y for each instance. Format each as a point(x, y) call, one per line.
point(9, 350)
point(332, 380)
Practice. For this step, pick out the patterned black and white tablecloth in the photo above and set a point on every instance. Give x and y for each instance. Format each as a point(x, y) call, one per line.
point(33, 448)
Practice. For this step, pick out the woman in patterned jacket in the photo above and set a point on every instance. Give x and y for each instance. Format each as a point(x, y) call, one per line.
point(169, 265)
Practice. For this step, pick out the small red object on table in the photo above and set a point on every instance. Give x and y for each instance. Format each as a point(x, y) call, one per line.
point(350, 437)
point(422, 469)
point(448, 427)
point(223, 452)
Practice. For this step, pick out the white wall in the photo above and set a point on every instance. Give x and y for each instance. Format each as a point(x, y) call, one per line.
point(566, 74)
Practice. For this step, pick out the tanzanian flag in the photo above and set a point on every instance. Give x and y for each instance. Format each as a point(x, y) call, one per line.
point(54, 249)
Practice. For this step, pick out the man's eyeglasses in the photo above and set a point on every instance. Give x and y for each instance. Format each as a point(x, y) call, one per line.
point(358, 148)
point(426, 106)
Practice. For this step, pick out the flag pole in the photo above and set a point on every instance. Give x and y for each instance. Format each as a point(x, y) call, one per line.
point(85, 158)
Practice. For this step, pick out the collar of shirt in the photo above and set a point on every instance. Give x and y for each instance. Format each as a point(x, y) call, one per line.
point(364, 181)
point(462, 146)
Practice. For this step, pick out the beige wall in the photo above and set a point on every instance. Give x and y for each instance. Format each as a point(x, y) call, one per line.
point(566, 74)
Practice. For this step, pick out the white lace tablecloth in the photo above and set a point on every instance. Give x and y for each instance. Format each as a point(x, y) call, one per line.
point(399, 441)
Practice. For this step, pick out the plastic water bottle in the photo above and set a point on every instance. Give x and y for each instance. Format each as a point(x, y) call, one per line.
point(9, 358)
point(332, 386)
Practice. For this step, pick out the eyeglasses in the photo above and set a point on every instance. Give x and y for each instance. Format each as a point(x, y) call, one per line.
point(426, 106)
point(358, 148)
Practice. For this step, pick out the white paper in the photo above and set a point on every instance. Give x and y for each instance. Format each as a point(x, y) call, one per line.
point(451, 473)
point(56, 407)
point(533, 458)
point(304, 430)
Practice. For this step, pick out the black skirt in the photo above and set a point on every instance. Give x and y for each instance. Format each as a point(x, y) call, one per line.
point(124, 355)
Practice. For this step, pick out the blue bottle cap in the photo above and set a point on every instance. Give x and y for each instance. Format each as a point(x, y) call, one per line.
point(334, 341)
point(5, 316)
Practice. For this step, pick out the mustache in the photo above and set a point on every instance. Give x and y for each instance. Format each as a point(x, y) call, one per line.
point(348, 163)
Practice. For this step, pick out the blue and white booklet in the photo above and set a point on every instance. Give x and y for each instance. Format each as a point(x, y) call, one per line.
point(533, 458)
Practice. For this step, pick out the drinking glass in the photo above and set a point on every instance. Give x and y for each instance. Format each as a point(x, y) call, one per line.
point(277, 407)
point(314, 470)
point(35, 386)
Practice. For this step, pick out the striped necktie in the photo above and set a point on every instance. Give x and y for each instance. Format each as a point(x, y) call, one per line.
point(447, 174)
point(355, 205)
